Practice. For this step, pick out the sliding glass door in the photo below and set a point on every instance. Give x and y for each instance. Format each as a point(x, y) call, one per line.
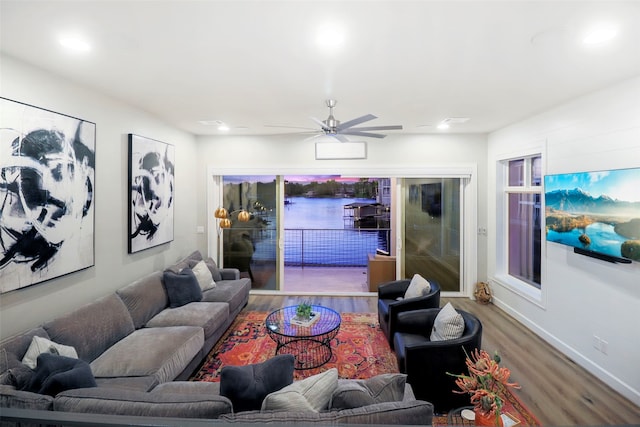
point(431, 212)
point(298, 228)
point(250, 244)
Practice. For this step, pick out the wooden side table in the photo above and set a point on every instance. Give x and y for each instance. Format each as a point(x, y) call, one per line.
point(380, 269)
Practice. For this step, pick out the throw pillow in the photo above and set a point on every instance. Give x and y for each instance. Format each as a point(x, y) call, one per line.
point(55, 373)
point(448, 324)
point(182, 288)
point(310, 394)
point(358, 393)
point(213, 268)
point(247, 386)
point(203, 276)
point(41, 345)
point(14, 372)
point(419, 286)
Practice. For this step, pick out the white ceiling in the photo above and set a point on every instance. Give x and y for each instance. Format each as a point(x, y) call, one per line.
point(256, 63)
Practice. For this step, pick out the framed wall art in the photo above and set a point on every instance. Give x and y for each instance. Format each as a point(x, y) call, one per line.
point(151, 192)
point(47, 182)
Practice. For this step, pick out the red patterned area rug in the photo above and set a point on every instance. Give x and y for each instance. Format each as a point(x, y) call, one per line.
point(360, 350)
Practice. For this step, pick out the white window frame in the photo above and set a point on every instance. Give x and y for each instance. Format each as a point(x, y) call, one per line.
point(502, 276)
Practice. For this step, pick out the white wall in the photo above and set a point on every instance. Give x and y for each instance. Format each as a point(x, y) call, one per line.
point(293, 154)
point(583, 296)
point(28, 307)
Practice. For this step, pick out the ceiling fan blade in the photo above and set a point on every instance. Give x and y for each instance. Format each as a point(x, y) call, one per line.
point(390, 127)
point(356, 121)
point(366, 134)
point(336, 136)
point(319, 123)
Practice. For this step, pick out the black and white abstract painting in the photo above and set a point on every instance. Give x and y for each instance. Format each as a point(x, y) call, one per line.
point(151, 192)
point(47, 182)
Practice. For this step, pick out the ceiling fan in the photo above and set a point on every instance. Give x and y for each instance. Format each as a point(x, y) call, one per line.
point(336, 129)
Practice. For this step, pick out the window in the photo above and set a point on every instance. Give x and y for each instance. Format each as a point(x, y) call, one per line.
point(522, 198)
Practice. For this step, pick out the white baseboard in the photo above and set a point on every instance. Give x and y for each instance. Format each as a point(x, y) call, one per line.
point(602, 374)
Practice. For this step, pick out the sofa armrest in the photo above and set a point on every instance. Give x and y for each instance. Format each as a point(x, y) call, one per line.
point(157, 403)
point(229, 273)
point(415, 412)
point(393, 289)
point(419, 322)
point(10, 397)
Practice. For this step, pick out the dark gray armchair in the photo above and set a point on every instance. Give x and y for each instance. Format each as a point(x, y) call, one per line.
point(389, 307)
point(427, 362)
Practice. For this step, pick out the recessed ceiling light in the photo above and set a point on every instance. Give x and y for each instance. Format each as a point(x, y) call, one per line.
point(330, 36)
point(443, 125)
point(211, 122)
point(600, 33)
point(223, 128)
point(74, 43)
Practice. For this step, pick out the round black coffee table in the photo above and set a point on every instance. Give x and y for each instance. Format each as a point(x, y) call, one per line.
point(310, 345)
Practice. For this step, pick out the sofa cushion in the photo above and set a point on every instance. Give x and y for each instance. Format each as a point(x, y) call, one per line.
point(208, 315)
point(310, 394)
point(447, 325)
point(144, 298)
point(233, 292)
point(18, 344)
point(160, 402)
point(378, 389)
point(41, 345)
point(213, 268)
point(182, 288)
point(93, 328)
point(187, 262)
point(247, 386)
point(55, 373)
point(203, 276)
point(166, 352)
point(419, 286)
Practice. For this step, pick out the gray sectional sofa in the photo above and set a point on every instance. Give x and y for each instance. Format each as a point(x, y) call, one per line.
point(140, 352)
point(137, 347)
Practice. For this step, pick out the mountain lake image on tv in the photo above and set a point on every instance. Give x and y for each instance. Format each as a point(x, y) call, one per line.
point(595, 212)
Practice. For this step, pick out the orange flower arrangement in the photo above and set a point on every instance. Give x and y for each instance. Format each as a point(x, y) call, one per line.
point(485, 383)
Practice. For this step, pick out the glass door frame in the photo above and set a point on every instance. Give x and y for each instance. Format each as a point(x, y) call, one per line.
point(467, 172)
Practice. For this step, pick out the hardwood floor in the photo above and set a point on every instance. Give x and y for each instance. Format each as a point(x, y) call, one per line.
point(558, 392)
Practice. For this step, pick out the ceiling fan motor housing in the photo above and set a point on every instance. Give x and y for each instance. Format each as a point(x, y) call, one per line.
point(331, 123)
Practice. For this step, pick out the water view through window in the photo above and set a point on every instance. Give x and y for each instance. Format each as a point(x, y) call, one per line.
point(328, 222)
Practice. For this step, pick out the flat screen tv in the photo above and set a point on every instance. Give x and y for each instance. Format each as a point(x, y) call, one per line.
point(597, 213)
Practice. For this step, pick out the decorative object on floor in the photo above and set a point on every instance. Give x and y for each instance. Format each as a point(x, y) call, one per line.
point(513, 410)
point(151, 192)
point(360, 349)
point(486, 383)
point(47, 183)
point(309, 341)
point(482, 293)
